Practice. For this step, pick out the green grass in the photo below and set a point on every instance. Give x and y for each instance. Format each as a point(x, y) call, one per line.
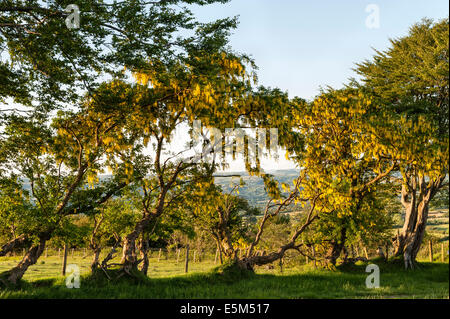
point(51, 266)
point(167, 280)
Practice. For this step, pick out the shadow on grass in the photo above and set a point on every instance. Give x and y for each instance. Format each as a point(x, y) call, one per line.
point(228, 281)
point(393, 265)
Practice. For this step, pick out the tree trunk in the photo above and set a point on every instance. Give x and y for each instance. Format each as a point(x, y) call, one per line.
point(252, 259)
point(249, 262)
point(64, 260)
point(366, 253)
point(314, 255)
point(380, 252)
point(129, 259)
point(415, 198)
point(220, 256)
point(219, 249)
point(13, 244)
point(186, 261)
point(336, 248)
point(96, 258)
point(143, 251)
point(345, 250)
point(31, 256)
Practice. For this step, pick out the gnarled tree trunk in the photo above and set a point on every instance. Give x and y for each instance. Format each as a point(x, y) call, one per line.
point(12, 244)
point(14, 275)
point(219, 250)
point(416, 196)
point(223, 237)
point(143, 250)
point(252, 259)
point(96, 258)
point(129, 258)
point(337, 246)
point(249, 262)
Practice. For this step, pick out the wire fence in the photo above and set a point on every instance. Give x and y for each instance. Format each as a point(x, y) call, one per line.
point(430, 251)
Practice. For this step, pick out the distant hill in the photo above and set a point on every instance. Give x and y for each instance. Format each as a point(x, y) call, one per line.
point(253, 190)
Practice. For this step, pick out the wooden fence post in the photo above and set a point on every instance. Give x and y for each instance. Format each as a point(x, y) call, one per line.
point(220, 256)
point(431, 250)
point(314, 255)
point(178, 255)
point(64, 260)
point(387, 251)
point(195, 255)
point(281, 265)
point(380, 252)
point(159, 255)
point(442, 252)
point(186, 263)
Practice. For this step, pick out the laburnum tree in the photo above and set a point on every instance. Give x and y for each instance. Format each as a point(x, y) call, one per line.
point(211, 87)
point(279, 203)
point(370, 227)
point(340, 160)
point(343, 161)
point(14, 202)
point(50, 66)
point(221, 215)
point(160, 231)
point(118, 217)
point(187, 80)
point(45, 170)
point(108, 223)
point(411, 80)
point(47, 65)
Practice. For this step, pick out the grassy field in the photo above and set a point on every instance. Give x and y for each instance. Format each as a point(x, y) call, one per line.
point(167, 280)
point(438, 223)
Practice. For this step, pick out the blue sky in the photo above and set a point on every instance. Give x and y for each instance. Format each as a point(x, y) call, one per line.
point(300, 45)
